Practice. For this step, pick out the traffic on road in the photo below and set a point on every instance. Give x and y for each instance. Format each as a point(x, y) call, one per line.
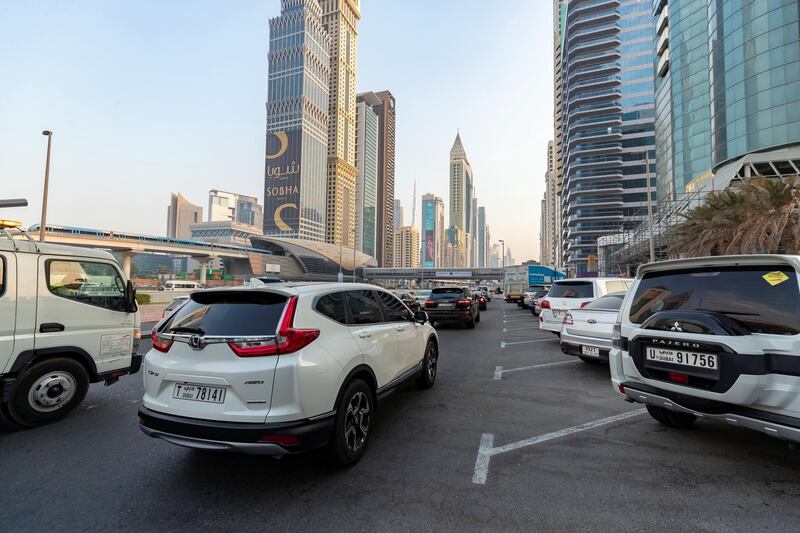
point(321, 375)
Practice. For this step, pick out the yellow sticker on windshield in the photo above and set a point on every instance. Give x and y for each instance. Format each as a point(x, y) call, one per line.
point(774, 278)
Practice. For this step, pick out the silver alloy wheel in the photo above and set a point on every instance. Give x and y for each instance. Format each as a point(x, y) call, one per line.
point(432, 359)
point(52, 391)
point(356, 421)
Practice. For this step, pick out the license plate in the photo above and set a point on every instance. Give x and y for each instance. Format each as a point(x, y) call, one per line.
point(556, 313)
point(447, 305)
point(680, 357)
point(592, 351)
point(199, 393)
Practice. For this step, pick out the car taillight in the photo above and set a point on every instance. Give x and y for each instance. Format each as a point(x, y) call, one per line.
point(464, 302)
point(544, 304)
point(160, 344)
point(616, 335)
point(430, 303)
point(584, 304)
point(483, 299)
point(683, 379)
point(568, 319)
point(288, 340)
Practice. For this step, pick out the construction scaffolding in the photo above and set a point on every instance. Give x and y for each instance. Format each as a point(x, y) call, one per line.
point(622, 253)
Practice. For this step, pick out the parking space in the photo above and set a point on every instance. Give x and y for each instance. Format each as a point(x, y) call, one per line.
point(547, 445)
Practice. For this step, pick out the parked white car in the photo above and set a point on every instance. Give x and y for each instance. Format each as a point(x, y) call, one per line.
point(716, 338)
point(68, 318)
point(568, 294)
point(282, 368)
point(587, 331)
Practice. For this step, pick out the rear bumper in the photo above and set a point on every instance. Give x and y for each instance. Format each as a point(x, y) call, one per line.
point(575, 349)
point(254, 439)
point(550, 326)
point(457, 315)
point(779, 426)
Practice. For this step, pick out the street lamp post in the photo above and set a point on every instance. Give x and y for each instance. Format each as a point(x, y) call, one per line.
point(49, 135)
point(649, 207)
point(354, 255)
point(503, 281)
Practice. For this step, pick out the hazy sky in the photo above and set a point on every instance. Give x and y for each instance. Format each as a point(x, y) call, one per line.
point(149, 97)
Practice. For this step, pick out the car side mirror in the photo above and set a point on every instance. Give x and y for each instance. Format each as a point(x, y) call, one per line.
point(130, 298)
point(421, 317)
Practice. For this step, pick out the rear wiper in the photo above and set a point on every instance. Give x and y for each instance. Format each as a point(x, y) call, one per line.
point(726, 312)
point(187, 329)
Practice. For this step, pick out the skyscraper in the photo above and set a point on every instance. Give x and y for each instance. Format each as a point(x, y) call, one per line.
point(339, 18)
point(406, 247)
point(482, 236)
point(297, 122)
point(461, 187)
point(551, 214)
point(180, 215)
point(386, 153)
point(608, 122)
point(433, 230)
point(559, 25)
point(239, 208)
point(727, 93)
point(398, 214)
point(367, 177)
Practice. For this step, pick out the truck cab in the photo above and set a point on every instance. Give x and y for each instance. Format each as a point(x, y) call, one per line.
point(68, 318)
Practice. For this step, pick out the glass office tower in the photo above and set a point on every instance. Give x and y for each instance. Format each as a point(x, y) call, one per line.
point(728, 92)
point(608, 122)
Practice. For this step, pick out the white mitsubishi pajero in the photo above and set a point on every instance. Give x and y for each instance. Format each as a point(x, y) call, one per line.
point(714, 338)
point(68, 318)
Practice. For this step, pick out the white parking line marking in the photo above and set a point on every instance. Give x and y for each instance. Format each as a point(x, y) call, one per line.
point(499, 371)
point(530, 328)
point(486, 449)
point(504, 344)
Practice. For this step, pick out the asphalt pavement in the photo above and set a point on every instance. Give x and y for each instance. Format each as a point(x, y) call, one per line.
point(519, 438)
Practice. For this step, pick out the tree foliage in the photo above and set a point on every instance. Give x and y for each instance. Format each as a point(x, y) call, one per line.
point(762, 216)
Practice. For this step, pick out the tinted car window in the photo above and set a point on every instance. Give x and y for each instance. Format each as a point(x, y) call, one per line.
point(394, 309)
point(364, 308)
point(91, 283)
point(333, 306)
point(540, 294)
point(571, 289)
point(229, 313)
point(446, 294)
point(610, 301)
point(762, 299)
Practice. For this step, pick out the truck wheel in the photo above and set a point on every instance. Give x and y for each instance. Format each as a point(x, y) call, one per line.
point(47, 391)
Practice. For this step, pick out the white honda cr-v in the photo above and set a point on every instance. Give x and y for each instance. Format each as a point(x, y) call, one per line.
point(282, 368)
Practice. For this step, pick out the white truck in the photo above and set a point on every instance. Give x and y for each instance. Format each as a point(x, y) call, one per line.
point(68, 318)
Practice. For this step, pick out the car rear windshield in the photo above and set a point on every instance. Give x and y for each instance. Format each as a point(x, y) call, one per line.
point(446, 294)
point(610, 302)
point(234, 313)
point(762, 299)
point(571, 289)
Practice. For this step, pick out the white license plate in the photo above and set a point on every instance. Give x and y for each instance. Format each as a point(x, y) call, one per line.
point(556, 313)
point(199, 393)
point(447, 305)
point(591, 351)
point(680, 357)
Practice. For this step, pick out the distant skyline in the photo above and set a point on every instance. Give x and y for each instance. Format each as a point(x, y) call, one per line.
point(151, 98)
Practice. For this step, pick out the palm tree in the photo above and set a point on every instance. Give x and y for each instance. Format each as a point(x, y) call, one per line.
point(761, 216)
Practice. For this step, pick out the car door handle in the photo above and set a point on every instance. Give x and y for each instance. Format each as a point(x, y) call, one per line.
point(365, 334)
point(51, 327)
point(400, 328)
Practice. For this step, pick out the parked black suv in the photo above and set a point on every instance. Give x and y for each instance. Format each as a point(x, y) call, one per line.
point(453, 304)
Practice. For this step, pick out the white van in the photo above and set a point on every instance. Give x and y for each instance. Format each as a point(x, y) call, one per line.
point(181, 285)
point(68, 317)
